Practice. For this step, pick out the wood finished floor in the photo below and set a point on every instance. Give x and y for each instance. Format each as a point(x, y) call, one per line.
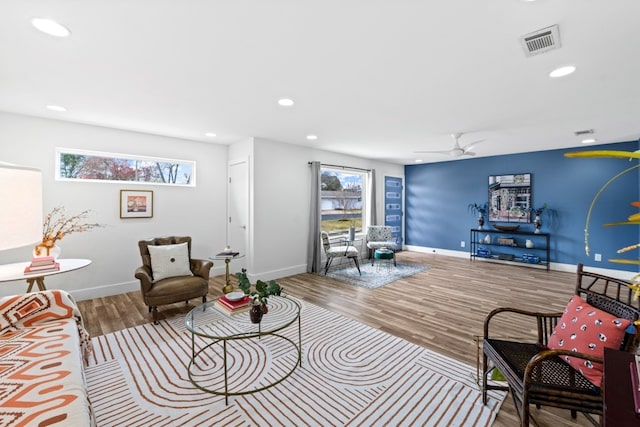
point(442, 308)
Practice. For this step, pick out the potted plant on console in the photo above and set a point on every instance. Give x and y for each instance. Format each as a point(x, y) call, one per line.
point(263, 290)
point(538, 212)
point(479, 210)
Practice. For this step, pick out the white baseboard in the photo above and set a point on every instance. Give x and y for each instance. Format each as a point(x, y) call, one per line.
point(121, 288)
point(277, 274)
point(105, 291)
point(555, 266)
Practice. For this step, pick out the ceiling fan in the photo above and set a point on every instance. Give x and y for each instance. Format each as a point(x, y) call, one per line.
point(457, 150)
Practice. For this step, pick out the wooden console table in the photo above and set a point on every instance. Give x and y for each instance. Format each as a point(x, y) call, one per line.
point(12, 272)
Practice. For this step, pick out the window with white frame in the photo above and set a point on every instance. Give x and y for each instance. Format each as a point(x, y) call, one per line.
point(342, 199)
point(81, 165)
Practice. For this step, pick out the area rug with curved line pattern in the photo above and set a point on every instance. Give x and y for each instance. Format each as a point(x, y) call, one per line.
point(351, 375)
point(373, 276)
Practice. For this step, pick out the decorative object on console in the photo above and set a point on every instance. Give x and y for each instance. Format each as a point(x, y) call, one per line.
point(21, 213)
point(508, 241)
point(506, 227)
point(538, 212)
point(57, 225)
point(479, 210)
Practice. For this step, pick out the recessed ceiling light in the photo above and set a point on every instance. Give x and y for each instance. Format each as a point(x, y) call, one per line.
point(418, 160)
point(58, 108)
point(312, 137)
point(51, 27)
point(210, 134)
point(285, 102)
point(589, 140)
point(562, 71)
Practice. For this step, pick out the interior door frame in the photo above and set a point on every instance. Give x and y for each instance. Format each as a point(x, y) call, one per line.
point(232, 193)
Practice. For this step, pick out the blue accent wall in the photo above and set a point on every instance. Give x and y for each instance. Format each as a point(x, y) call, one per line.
point(438, 194)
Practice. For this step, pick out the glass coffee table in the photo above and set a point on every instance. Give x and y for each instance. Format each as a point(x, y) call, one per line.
point(230, 355)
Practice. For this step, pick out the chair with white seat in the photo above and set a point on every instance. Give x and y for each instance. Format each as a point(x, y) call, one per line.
point(378, 237)
point(343, 251)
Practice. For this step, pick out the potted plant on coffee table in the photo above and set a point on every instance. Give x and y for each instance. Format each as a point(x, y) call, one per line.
point(262, 291)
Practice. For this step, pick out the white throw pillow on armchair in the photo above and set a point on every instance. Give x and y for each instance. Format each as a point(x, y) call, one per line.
point(169, 261)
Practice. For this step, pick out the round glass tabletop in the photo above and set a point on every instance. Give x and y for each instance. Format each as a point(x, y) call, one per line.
point(212, 321)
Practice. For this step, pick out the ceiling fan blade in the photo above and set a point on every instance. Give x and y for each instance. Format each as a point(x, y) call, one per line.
point(471, 144)
point(433, 152)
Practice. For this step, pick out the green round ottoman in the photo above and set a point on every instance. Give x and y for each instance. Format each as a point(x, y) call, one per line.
point(383, 255)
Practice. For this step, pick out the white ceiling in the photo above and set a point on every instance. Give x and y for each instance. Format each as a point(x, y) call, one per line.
point(373, 78)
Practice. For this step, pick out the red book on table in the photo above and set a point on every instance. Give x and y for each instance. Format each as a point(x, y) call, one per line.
point(232, 305)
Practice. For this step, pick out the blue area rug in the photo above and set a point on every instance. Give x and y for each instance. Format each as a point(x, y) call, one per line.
point(372, 276)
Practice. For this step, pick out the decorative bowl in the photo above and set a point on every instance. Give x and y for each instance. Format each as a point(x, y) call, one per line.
point(506, 227)
point(234, 296)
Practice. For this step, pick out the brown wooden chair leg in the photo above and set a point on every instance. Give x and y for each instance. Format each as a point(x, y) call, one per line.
point(485, 374)
point(204, 299)
point(154, 312)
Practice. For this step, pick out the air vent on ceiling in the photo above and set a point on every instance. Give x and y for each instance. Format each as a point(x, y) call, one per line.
point(584, 132)
point(541, 41)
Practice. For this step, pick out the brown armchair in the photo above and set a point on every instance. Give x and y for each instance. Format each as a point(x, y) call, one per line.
point(175, 288)
point(543, 374)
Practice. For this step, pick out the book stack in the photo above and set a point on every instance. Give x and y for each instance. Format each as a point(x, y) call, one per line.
point(232, 307)
point(228, 253)
point(42, 265)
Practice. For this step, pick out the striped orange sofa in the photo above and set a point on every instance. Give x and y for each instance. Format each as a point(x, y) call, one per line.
point(43, 350)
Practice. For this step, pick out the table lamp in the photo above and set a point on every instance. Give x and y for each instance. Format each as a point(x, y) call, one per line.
point(21, 213)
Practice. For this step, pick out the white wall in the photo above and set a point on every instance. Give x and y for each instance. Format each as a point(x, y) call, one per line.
point(279, 201)
point(281, 180)
point(199, 212)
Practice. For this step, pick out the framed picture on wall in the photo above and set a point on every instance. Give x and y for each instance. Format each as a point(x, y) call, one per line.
point(136, 204)
point(510, 198)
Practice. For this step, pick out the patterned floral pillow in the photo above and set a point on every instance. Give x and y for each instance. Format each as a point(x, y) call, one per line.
point(586, 329)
